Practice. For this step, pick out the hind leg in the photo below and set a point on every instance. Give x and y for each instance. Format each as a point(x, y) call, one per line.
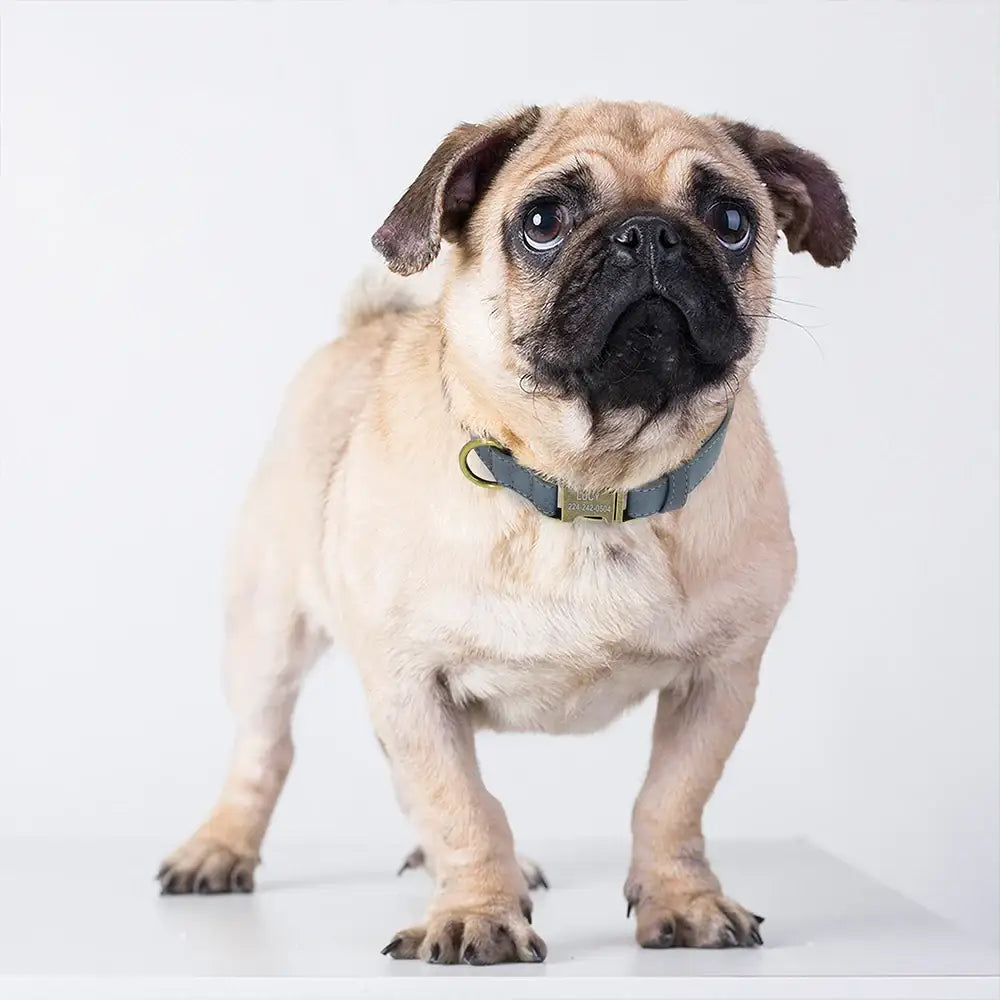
point(268, 650)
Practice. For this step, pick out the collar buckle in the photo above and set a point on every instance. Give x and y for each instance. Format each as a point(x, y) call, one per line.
point(592, 505)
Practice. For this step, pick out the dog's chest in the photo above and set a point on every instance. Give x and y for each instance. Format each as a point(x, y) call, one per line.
point(567, 629)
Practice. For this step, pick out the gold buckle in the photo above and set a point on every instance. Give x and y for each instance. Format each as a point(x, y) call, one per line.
point(593, 505)
point(463, 462)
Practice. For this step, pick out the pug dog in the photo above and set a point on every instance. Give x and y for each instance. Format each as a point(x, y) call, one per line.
point(526, 493)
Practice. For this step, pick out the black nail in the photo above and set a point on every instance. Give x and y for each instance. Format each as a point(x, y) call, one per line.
point(729, 936)
point(435, 952)
point(536, 953)
point(755, 934)
point(469, 955)
point(202, 887)
point(542, 882)
point(628, 908)
point(392, 945)
point(242, 881)
point(407, 864)
point(665, 939)
point(757, 917)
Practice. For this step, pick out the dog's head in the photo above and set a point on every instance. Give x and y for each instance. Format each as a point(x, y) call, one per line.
point(615, 257)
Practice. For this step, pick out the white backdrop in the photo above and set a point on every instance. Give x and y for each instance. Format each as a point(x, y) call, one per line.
point(188, 189)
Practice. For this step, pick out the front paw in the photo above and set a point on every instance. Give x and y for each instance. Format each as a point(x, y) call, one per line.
point(677, 917)
point(206, 866)
point(488, 934)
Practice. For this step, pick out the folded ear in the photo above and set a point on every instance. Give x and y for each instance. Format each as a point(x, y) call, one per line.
point(809, 203)
point(439, 202)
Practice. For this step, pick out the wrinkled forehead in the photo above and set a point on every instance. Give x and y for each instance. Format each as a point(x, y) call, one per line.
point(640, 152)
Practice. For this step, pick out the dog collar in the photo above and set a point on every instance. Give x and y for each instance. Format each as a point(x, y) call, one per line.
point(669, 492)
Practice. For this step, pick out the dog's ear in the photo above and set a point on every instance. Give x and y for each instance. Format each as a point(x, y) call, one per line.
point(439, 202)
point(809, 202)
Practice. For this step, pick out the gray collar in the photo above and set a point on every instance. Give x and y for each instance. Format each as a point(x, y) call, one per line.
point(669, 492)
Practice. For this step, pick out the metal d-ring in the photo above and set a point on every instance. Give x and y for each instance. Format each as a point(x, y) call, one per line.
point(463, 462)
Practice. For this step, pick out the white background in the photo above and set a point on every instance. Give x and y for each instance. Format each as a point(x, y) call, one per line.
point(187, 190)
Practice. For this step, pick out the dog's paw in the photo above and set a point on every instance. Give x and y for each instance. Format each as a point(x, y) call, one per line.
point(681, 919)
point(476, 935)
point(208, 867)
point(531, 870)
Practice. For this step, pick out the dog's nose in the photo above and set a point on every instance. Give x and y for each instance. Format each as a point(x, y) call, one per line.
point(645, 238)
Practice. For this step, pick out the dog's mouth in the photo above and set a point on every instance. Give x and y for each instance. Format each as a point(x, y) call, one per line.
point(643, 331)
point(653, 351)
point(650, 356)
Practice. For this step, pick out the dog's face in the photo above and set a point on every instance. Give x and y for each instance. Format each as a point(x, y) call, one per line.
point(617, 256)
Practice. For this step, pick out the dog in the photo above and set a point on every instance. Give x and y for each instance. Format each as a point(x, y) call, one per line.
point(527, 490)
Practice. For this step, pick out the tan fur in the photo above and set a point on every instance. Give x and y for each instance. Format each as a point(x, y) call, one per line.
point(464, 608)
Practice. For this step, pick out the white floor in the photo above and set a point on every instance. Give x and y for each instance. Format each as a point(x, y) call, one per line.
point(84, 919)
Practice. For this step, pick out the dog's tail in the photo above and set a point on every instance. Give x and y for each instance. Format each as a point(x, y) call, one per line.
point(377, 292)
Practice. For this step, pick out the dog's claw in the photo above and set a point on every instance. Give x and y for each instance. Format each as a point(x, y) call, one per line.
point(757, 917)
point(629, 905)
point(392, 946)
point(755, 936)
point(415, 859)
point(665, 939)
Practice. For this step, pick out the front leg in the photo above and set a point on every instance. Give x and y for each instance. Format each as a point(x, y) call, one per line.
point(677, 899)
point(481, 911)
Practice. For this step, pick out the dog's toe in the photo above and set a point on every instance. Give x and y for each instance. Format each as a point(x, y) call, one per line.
point(666, 919)
point(487, 935)
point(206, 868)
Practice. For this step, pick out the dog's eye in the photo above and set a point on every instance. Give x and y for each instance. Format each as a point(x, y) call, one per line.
point(730, 224)
point(546, 224)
